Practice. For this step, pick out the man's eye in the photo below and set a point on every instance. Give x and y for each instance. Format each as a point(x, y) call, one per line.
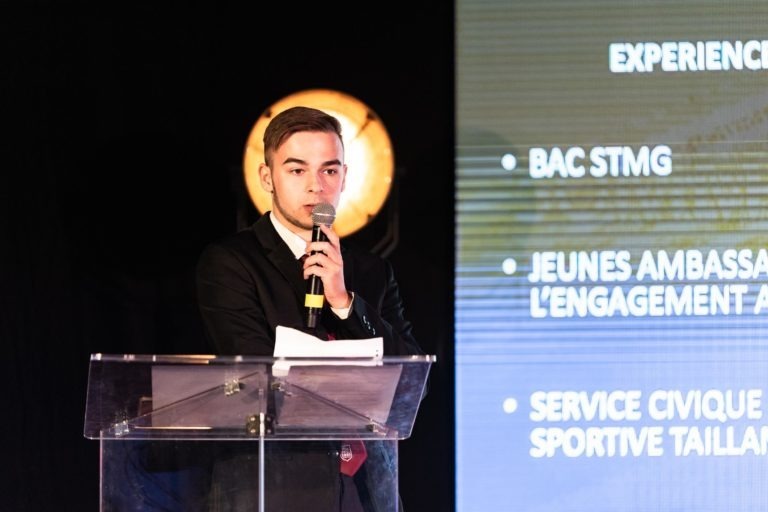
point(331, 171)
point(296, 171)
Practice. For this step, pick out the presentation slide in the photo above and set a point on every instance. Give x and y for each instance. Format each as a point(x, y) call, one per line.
point(612, 256)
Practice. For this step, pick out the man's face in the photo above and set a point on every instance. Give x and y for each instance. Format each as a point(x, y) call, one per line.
point(307, 169)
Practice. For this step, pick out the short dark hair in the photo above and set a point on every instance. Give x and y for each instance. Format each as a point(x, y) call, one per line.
point(293, 120)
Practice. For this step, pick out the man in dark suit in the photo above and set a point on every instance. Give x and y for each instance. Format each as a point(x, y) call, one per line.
point(250, 283)
point(253, 281)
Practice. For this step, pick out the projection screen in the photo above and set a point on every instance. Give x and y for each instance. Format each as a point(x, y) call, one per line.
point(612, 256)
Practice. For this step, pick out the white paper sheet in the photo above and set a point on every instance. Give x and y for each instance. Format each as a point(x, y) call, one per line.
point(294, 343)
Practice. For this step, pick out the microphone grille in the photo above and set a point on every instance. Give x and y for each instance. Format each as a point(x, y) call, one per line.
point(323, 213)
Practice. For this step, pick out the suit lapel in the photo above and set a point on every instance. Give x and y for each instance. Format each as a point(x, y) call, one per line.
point(278, 253)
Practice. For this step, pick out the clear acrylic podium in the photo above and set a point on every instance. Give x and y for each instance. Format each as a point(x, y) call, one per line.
point(219, 433)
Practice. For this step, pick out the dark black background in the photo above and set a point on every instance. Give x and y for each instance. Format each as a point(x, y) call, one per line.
point(125, 125)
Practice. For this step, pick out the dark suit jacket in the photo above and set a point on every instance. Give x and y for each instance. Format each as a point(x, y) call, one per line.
point(247, 285)
point(250, 282)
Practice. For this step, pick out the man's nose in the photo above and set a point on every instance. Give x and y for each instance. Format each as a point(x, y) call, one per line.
point(315, 182)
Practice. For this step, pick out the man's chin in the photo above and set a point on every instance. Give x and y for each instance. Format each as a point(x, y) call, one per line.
point(302, 224)
point(294, 221)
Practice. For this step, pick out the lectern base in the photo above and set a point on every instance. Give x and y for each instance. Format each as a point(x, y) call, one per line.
point(223, 476)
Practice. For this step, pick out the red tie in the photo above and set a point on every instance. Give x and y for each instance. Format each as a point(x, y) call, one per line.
point(352, 456)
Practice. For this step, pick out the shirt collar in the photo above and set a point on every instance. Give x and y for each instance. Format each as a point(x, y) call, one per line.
point(296, 244)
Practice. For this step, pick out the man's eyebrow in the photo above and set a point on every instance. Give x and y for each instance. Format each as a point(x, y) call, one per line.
point(293, 160)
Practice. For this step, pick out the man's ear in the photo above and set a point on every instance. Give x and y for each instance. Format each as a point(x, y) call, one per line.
point(265, 178)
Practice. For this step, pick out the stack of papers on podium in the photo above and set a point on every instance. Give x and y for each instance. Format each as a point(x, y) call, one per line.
point(294, 343)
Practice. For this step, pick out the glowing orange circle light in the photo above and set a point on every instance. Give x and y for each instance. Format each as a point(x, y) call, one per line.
point(367, 148)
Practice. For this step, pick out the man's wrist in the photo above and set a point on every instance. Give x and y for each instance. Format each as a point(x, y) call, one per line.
point(347, 303)
point(343, 312)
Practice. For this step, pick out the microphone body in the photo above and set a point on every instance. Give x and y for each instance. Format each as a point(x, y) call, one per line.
point(323, 213)
point(314, 298)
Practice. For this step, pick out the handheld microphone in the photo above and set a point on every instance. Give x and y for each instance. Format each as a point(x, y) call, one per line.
point(322, 213)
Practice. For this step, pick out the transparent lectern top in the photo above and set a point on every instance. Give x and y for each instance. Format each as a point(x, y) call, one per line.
point(247, 397)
